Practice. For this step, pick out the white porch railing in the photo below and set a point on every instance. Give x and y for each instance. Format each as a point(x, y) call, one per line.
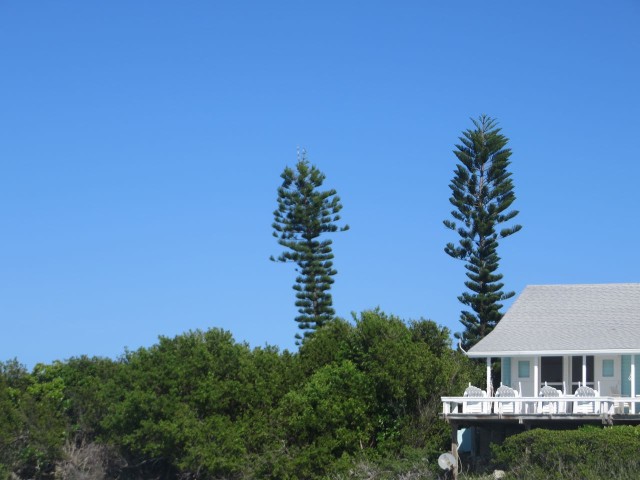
point(543, 406)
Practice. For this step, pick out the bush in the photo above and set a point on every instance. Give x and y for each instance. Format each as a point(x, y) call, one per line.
point(359, 398)
point(586, 453)
point(412, 465)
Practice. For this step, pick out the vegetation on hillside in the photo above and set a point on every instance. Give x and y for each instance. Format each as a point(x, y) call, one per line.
point(202, 406)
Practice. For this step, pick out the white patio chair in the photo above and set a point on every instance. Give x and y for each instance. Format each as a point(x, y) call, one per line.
point(551, 407)
point(469, 406)
point(583, 405)
point(510, 407)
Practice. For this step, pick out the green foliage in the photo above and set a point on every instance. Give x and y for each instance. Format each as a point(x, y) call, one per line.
point(412, 464)
point(91, 386)
point(397, 367)
point(33, 420)
point(410, 370)
point(327, 418)
point(357, 396)
point(407, 368)
point(482, 193)
point(586, 453)
point(13, 379)
point(328, 344)
point(305, 213)
point(184, 402)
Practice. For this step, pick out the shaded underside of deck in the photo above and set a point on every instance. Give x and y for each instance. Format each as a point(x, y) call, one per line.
point(540, 421)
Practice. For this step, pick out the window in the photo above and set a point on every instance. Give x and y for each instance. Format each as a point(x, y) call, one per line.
point(506, 371)
point(523, 369)
point(607, 368)
point(551, 372)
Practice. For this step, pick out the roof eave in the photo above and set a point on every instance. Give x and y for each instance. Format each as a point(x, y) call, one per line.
point(554, 353)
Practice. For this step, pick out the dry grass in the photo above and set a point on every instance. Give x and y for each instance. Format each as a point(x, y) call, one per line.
point(87, 461)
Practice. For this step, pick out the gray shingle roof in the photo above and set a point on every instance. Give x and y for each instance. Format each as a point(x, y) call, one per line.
point(557, 319)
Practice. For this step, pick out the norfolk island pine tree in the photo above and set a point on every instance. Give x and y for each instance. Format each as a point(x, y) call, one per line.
point(482, 193)
point(304, 214)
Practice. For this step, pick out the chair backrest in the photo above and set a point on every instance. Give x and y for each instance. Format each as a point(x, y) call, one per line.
point(585, 391)
point(507, 406)
point(505, 391)
point(548, 391)
point(550, 407)
point(586, 406)
point(472, 405)
point(473, 392)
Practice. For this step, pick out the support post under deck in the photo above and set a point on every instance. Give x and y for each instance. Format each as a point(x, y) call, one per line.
point(454, 448)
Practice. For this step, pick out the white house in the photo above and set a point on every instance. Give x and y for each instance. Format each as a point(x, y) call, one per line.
point(569, 335)
point(569, 354)
point(564, 336)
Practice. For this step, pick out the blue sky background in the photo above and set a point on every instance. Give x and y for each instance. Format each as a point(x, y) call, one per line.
point(141, 145)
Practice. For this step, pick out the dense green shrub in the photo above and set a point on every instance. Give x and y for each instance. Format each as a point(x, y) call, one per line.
point(184, 405)
point(329, 417)
point(33, 420)
point(358, 396)
point(413, 464)
point(586, 453)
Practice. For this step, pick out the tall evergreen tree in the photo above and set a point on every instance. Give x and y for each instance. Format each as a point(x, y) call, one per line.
point(482, 192)
point(305, 213)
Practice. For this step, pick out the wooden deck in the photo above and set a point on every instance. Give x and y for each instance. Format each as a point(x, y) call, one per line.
point(534, 411)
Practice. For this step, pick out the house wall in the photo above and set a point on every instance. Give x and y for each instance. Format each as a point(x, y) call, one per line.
point(515, 375)
point(516, 371)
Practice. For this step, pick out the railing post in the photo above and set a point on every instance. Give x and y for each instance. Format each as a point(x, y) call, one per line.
point(536, 375)
point(489, 389)
point(633, 383)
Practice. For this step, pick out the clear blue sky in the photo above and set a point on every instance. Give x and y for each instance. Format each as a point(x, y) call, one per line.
point(141, 145)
